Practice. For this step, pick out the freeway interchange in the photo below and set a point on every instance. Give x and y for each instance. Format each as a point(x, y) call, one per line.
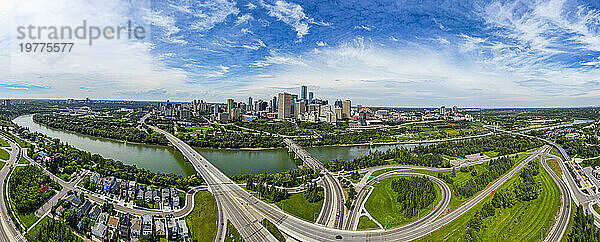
point(245, 211)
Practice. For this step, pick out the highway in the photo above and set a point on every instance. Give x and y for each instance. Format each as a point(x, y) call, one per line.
point(332, 212)
point(9, 231)
point(236, 200)
point(223, 189)
point(564, 213)
point(352, 221)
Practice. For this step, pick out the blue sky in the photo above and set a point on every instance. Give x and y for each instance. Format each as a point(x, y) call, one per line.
point(493, 53)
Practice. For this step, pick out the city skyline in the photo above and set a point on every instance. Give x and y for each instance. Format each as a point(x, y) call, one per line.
point(487, 54)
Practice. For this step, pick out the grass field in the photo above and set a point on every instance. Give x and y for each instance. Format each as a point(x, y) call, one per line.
point(525, 221)
point(2, 164)
point(232, 233)
point(4, 155)
point(365, 223)
point(272, 229)
point(491, 154)
point(3, 143)
point(203, 219)
point(383, 206)
point(553, 163)
point(23, 160)
point(298, 206)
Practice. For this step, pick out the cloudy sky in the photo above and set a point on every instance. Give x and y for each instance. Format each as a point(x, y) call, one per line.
point(484, 53)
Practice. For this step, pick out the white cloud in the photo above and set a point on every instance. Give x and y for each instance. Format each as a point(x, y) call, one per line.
point(363, 27)
point(291, 14)
point(250, 6)
point(420, 76)
point(112, 66)
point(213, 12)
point(321, 43)
point(166, 22)
point(244, 19)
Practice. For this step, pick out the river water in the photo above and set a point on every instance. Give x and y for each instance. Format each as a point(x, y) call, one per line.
point(166, 159)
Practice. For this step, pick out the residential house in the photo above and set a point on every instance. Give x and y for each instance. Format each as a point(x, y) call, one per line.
point(159, 228)
point(172, 228)
point(113, 222)
point(102, 218)
point(156, 196)
point(124, 224)
point(183, 229)
point(84, 209)
point(146, 224)
point(99, 231)
point(136, 227)
point(148, 196)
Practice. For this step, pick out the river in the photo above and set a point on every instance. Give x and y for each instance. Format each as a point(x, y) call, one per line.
point(166, 159)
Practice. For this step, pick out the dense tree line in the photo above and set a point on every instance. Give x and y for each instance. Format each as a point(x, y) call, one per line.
point(52, 231)
point(414, 194)
point(71, 159)
point(290, 178)
point(24, 188)
point(526, 189)
point(480, 180)
point(230, 139)
point(583, 227)
point(503, 144)
point(101, 127)
point(267, 192)
point(577, 147)
point(313, 193)
point(398, 155)
point(432, 155)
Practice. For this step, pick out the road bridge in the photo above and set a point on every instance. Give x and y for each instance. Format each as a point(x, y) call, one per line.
point(332, 212)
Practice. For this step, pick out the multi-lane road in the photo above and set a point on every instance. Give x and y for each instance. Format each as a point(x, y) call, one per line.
point(9, 231)
point(240, 206)
point(333, 210)
point(352, 221)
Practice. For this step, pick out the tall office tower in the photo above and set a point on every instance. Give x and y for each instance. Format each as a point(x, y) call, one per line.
point(294, 97)
point(230, 104)
point(284, 105)
point(303, 93)
point(310, 97)
point(443, 110)
point(216, 111)
point(338, 103)
point(250, 104)
point(274, 106)
point(346, 107)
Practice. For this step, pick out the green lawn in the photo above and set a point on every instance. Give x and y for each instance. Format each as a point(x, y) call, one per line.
point(3, 143)
point(23, 160)
point(298, 206)
point(272, 229)
point(365, 223)
point(26, 219)
point(491, 154)
point(232, 233)
point(2, 164)
point(383, 206)
point(4, 155)
point(203, 219)
point(525, 221)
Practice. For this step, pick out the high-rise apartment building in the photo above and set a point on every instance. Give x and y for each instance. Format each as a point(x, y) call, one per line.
point(284, 105)
point(310, 97)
